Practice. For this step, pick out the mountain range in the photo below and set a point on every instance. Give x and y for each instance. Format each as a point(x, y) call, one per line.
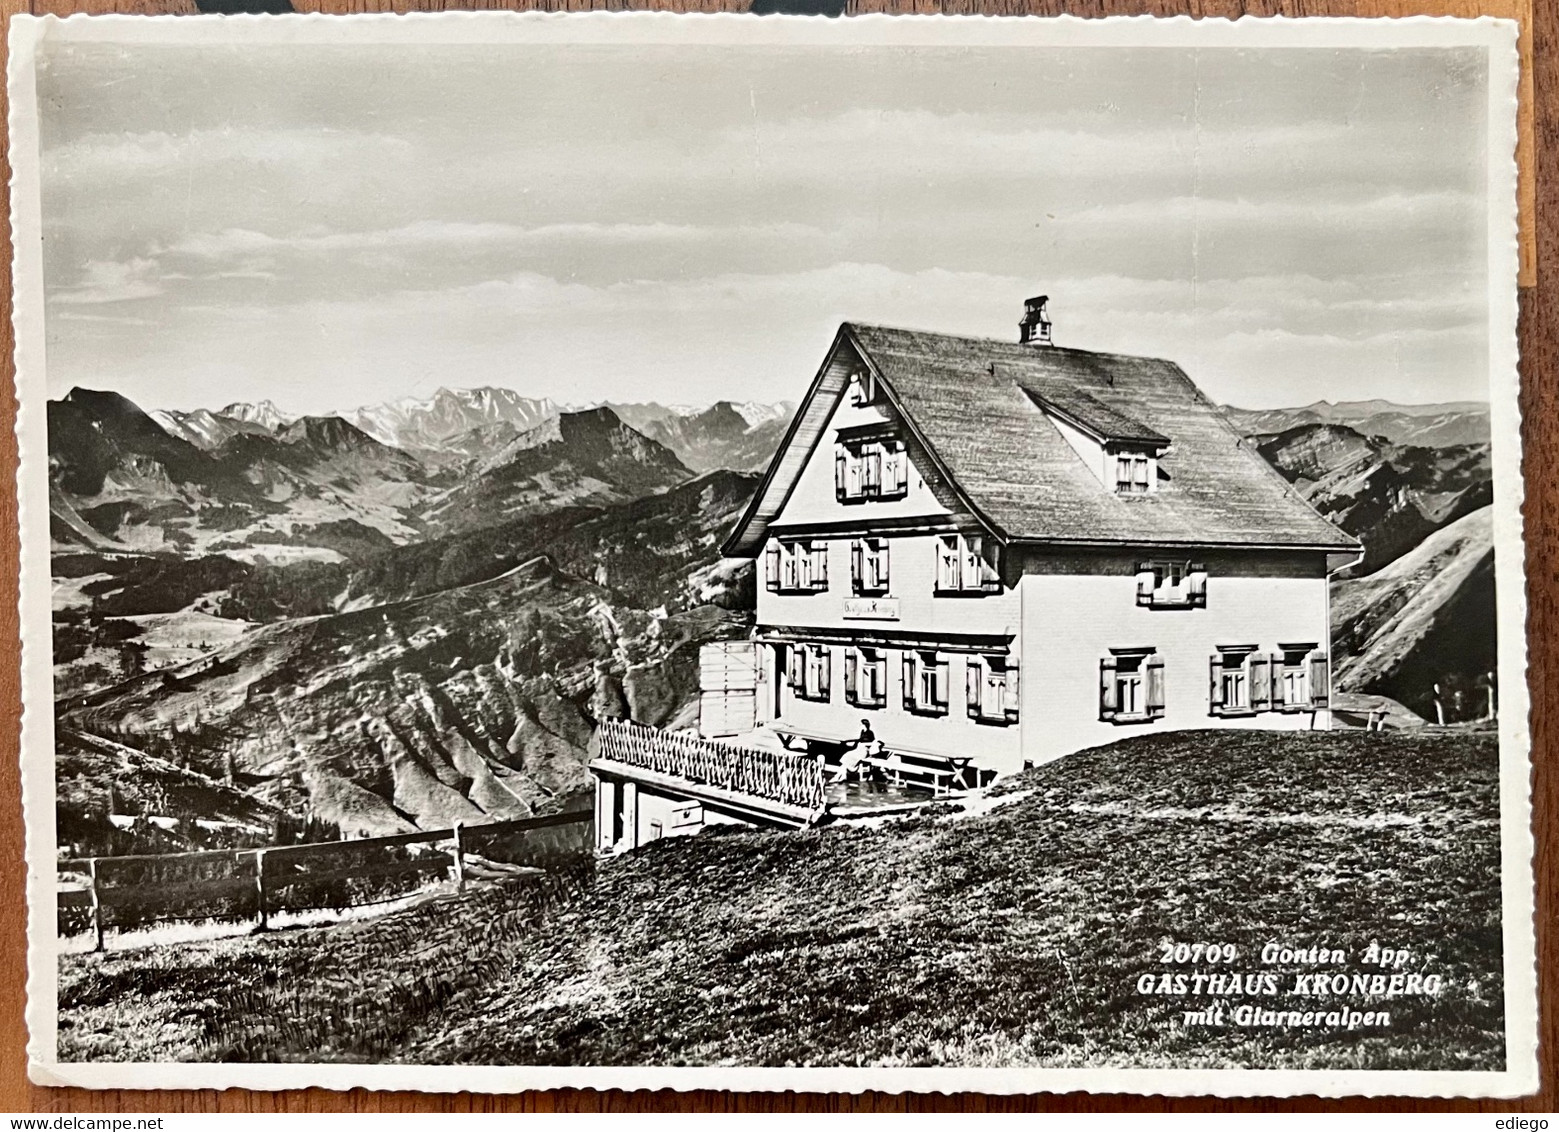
point(412, 613)
point(1430, 426)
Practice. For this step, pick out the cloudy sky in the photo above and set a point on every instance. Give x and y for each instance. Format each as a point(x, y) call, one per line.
point(329, 226)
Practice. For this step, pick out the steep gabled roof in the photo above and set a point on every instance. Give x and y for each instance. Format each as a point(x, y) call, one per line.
point(976, 405)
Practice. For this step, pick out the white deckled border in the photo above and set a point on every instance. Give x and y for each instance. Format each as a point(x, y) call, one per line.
point(27, 34)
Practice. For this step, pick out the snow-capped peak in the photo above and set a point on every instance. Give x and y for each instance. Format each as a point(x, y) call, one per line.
point(256, 412)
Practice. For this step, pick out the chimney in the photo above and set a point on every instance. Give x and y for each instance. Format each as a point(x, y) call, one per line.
point(1034, 330)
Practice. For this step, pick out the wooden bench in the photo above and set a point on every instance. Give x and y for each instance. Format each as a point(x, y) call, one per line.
point(943, 773)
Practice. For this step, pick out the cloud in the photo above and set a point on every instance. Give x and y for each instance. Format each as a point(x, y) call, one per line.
point(157, 154)
point(104, 281)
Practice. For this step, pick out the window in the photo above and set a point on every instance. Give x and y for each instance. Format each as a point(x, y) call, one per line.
point(1132, 471)
point(862, 388)
point(875, 468)
point(966, 564)
point(796, 567)
point(992, 689)
point(1300, 678)
point(865, 677)
point(869, 565)
point(1131, 686)
point(925, 683)
point(1238, 681)
point(1172, 584)
point(811, 676)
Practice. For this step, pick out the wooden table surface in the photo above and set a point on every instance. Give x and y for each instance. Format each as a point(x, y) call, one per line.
point(1539, 341)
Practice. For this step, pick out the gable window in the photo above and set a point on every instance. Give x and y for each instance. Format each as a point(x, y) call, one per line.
point(796, 567)
point(925, 682)
point(862, 388)
point(869, 565)
point(1238, 681)
point(1131, 686)
point(991, 684)
point(966, 564)
point(865, 677)
point(1299, 678)
point(1133, 473)
point(870, 468)
point(811, 676)
point(1172, 584)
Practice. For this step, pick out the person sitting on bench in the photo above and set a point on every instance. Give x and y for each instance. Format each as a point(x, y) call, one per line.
point(864, 746)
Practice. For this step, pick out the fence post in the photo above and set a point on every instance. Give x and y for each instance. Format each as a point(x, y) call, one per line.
point(97, 906)
point(260, 916)
point(460, 859)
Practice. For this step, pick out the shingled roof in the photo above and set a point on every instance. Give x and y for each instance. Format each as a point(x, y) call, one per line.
point(977, 405)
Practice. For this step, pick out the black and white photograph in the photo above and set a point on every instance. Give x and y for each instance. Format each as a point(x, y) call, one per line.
point(772, 553)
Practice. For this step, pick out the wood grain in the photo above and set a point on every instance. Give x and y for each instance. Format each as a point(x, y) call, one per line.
point(1539, 341)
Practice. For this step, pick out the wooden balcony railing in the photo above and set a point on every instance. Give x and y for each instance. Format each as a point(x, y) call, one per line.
point(796, 780)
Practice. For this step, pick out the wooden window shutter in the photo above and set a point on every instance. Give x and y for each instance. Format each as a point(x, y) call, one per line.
point(943, 679)
point(971, 572)
point(896, 475)
point(1155, 679)
point(1108, 704)
point(851, 666)
point(1215, 684)
point(857, 566)
point(990, 565)
point(1009, 694)
point(771, 565)
point(907, 689)
point(839, 472)
point(973, 678)
point(946, 565)
point(825, 675)
point(1196, 584)
point(796, 667)
point(819, 553)
point(1320, 681)
point(1144, 583)
point(1265, 692)
point(882, 563)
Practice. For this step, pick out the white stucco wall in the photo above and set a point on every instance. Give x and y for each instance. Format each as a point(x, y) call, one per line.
point(1076, 607)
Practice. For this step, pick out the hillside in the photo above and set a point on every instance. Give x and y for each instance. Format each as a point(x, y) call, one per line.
point(720, 437)
point(476, 700)
point(1426, 618)
point(1014, 936)
point(1390, 496)
point(662, 550)
point(95, 778)
point(574, 459)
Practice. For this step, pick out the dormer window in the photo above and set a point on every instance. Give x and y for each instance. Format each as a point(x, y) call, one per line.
point(1133, 473)
point(875, 467)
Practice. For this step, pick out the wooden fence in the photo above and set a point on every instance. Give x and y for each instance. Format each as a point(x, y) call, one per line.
point(779, 776)
point(233, 884)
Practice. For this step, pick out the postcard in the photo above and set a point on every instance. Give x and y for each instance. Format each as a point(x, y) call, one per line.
point(644, 551)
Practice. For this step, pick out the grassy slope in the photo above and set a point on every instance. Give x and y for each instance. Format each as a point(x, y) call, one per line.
point(1012, 937)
